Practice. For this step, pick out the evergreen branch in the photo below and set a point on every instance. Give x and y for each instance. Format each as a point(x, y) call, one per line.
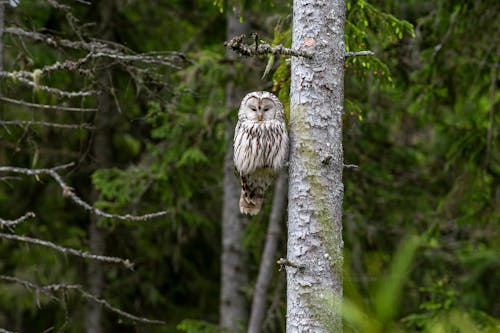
point(46, 106)
point(359, 53)
point(47, 124)
point(66, 250)
point(13, 223)
point(21, 78)
point(262, 48)
point(50, 289)
point(68, 192)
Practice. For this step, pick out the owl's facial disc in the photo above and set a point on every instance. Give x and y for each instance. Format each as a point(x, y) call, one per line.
point(261, 109)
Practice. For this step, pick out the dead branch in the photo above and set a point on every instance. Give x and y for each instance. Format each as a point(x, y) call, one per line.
point(3, 330)
point(98, 49)
point(358, 53)
point(51, 289)
point(262, 48)
point(46, 106)
point(45, 123)
point(51, 90)
point(350, 166)
point(54, 41)
point(79, 253)
point(68, 192)
point(13, 223)
point(282, 262)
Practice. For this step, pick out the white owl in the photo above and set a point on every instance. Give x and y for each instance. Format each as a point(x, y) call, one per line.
point(260, 146)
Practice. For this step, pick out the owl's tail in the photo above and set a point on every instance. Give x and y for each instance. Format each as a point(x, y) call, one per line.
point(250, 204)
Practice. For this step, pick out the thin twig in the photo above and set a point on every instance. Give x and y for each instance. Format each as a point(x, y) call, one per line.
point(13, 223)
point(79, 253)
point(46, 124)
point(52, 288)
point(46, 106)
point(236, 44)
point(358, 53)
point(68, 192)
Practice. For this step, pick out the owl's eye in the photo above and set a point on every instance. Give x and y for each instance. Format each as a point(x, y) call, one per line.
point(253, 108)
point(266, 109)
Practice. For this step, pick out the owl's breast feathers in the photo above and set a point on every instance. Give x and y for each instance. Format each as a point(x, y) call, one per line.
point(260, 145)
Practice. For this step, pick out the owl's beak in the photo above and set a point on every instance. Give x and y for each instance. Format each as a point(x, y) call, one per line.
point(259, 117)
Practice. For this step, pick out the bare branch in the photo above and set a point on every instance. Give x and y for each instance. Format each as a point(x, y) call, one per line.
point(46, 106)
point(118, 311)
point(13, 223)
point(79, 253)
point(51, 90)
point(358, 53)
point(46, 124)
point(98, 49)
point(350, 166)
point(285, 262)
point(49, 290)
point(144, 58)
point(68, 192)
point(3, 330)
point(261, 48)
point(54, 41)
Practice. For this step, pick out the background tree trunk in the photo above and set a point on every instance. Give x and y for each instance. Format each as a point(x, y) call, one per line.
point(234, 274)
point(103, 155)
point(268, 262)
point(1, 34)
point(316, 163)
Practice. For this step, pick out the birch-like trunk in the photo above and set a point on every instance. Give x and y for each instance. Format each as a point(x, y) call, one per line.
point(268, 261)
point(233, 307)
point(315, 172)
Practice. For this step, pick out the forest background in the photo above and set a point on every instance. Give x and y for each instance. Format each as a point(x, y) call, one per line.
point(146, 132)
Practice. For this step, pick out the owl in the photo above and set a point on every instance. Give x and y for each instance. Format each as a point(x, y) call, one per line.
point(260, 146)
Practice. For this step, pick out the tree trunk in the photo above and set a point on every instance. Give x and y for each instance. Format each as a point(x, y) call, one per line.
point(102, 153)
point(268, 262)
point(234, 275)
point(315, 171)
point(2, 8)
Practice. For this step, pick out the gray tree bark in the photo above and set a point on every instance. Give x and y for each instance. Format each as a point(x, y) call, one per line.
point(268, 262)
point(233, 307)
point(315, 172)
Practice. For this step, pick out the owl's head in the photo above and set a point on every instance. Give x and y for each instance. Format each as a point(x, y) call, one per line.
point(261, 106)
